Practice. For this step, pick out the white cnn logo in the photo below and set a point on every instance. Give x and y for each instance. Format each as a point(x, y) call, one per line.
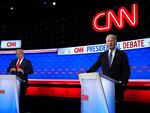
point(11, 44)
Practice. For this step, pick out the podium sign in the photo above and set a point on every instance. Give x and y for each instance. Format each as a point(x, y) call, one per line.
point(9, 94)
point(97, 93)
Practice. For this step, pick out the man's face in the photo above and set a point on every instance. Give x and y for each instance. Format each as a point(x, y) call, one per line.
point(19, 54)
point(110, 42)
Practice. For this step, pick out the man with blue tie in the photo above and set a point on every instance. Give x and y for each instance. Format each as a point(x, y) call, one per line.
point(21, 67)
point(114, 64)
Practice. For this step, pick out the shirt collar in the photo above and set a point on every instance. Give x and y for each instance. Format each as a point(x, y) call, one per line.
point(113, 51)
point(20, 60)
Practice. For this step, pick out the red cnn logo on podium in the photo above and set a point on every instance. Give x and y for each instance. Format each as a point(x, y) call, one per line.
point(2, 91)
point(85, 97)
point(119, 21)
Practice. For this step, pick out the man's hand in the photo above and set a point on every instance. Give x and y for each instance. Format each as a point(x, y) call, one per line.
point(13, 69)
point(20, 70)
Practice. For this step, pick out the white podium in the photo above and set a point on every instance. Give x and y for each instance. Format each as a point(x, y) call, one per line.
point(9, 94)
point(97, 93)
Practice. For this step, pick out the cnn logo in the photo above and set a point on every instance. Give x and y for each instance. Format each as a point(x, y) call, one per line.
point(79, 50)
point(119, 21)
point(11, 44)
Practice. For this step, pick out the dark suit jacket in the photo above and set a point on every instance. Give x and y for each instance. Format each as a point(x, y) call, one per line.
point(120, 69)
point(25, 65)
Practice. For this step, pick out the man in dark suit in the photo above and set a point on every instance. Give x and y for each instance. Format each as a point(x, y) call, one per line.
point(114, 64)
point(21, 67)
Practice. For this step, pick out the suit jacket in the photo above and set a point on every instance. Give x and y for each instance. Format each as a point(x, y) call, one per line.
point(119, 70)
point(25, 65)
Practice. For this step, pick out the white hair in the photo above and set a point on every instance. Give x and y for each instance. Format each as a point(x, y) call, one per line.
point(112, 36)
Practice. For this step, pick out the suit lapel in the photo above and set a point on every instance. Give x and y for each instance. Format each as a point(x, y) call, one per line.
point(106, 57)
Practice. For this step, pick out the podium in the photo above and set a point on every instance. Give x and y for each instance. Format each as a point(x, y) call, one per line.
point(9, 93)
point(97, 93)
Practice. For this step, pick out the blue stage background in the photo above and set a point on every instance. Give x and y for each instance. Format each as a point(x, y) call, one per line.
point(53, 66)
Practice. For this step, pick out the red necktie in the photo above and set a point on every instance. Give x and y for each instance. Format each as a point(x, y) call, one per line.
point(18, 63)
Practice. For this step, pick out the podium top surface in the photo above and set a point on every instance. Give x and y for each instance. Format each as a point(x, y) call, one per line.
point(9, 77)
point(109, 78)
point(94, 75)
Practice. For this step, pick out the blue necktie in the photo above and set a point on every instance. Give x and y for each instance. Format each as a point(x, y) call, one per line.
point(110, 58)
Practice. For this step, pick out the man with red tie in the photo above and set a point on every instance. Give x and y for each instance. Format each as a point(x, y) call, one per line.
point(21, 67)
